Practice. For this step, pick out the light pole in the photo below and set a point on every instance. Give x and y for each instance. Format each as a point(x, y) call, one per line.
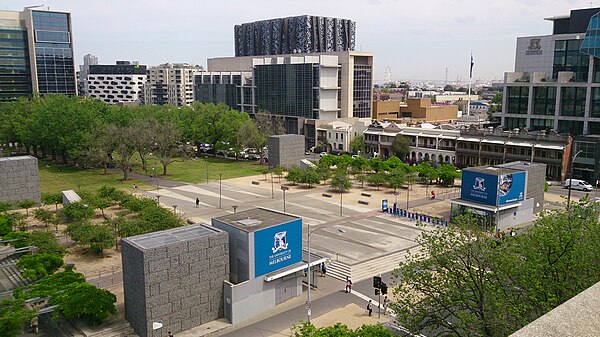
point(85, 208)
point(571, 177)
point(309, 271)
point(341, 193)
point(158, 199)
point(407, 194)
point(272, 190)
point(220, 177)
point(206, 160)
point(284, 188)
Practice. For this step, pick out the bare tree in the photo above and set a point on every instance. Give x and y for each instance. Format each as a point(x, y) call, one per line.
point(166, 148)
point(142, 140)
point(122, 137)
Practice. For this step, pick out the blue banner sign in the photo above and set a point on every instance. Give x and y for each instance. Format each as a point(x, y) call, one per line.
point(491, 189)
point(277, 247)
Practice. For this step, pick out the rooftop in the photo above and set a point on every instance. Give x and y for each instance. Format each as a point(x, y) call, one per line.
point(494, 170)
point(170, 236)
point(256, 219)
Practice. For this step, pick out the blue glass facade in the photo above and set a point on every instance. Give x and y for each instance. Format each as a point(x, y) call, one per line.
point(53, 52)
point(591, 42)
point(15, 76)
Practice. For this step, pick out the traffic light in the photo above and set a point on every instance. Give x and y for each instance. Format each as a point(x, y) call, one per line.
point(376, 291)
point(376, 281)
point(383, 288)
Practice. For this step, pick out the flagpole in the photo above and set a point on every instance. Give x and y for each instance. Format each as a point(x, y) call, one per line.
point(469, 97)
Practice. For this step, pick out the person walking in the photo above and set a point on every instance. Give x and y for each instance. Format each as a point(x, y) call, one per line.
point(35, 322)
point(170, 334)
point(323, 269)
point(348, 285)
point(370, 308)
point(197, 202)
point(385, 304)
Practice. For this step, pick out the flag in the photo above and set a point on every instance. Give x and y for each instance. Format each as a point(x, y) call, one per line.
point(471, 71)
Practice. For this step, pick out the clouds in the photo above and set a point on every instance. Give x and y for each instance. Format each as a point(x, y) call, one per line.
point(417, 39)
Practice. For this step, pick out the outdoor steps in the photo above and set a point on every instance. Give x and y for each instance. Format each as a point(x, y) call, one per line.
point(11, 273)
point(122, 329)
point(367, 269)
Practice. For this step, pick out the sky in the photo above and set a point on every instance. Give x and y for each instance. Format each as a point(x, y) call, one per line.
point(417, 40)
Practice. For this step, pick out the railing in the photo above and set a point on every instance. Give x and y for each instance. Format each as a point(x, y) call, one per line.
point(104, 278)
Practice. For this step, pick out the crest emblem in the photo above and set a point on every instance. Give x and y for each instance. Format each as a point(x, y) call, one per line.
point(280, 242)
point(479, 184)
point(534, 45)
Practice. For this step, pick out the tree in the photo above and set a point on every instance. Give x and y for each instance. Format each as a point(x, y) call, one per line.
point(396, 178)
point(82, 300)
point(401, 147)
point(294, 174)
point(306, 329)
point(362, 178)
point(43, 216)
point(52, 198)
point(323, 171)
point(13, 315)
point(122, 142)
point(378, 165)
point(497, 99)
point(394, 162)
point(27, 204)
point(377, 179)
point(447, 174)
point(465, 281)
point(77, 211)
point(311, 177)
point(97, 237)
point(341, 182)
point(358, 144)
point(102, 203)
point(359, 164)
point(142, 141)
point(45, 242)
point(278, 171)
point(166, 139)
point(39, 265)
point(219, 124)
point(328, 160)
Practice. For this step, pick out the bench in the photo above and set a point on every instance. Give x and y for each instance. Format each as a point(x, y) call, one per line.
point(366, 195)
point(363, 202)
point(327, 195)
point(254, 182)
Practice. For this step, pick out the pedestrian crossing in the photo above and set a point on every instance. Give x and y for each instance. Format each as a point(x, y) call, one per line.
point(200, 191)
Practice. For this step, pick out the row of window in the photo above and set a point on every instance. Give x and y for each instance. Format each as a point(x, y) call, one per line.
point(572, 101)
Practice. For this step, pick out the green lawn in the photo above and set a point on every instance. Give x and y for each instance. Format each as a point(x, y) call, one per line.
point(56, 177)
point(194, 170)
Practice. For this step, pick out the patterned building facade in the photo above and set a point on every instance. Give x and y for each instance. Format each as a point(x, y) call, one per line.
point(293, 35)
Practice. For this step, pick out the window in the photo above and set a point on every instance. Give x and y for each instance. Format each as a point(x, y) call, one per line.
point(595, 103)
point(512, 122)
point(336, 136)
point(572, 101)
point(518, 98)
point(544, 100)
point(588, 149)
point(570, 127)
point(567, 57)
point(341, 136)
point(542, 124)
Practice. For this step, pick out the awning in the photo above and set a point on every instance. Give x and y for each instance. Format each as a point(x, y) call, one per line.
point(492, 141)
point(469, 139)
point(464, 202)
point(550, 147)
point(315, 260)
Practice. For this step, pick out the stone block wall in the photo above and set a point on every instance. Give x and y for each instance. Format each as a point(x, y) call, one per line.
point(179, 283)
point(286, 150)
point(19, 179)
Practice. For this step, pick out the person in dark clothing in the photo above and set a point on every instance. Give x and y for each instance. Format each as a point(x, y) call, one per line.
point(197, 202)
point(370, 308)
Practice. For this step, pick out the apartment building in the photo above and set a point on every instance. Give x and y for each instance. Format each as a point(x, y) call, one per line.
point(120, 83)
point(170, 83)
point(37, 54)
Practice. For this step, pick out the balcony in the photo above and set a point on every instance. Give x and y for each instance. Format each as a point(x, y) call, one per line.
point(467, 151)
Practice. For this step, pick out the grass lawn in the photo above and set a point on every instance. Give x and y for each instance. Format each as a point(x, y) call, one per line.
point(55, 178)
point(194, 170)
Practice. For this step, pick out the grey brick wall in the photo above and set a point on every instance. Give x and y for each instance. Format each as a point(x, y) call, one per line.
point(536, 179)
point(286, 150)
point(19, 179)
point(179, 282)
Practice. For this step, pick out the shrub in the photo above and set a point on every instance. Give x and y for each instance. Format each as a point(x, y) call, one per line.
point(39, 265)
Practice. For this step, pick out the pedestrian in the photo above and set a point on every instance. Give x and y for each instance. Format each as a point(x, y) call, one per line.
point(170, 334)
point(370, 308)
point(348, 285)
point(197, 202)
point(385, 305)
point(323, 269)
point(34, 324)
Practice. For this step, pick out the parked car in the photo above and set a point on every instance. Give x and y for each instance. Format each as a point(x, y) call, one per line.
point(322, 154)
point(577, 184)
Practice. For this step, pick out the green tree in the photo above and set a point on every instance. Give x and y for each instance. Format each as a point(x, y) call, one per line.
point(13, 316)
point(362, 178)
point(328, 160)
point(358, 144)
point(77, 211)
point(102, 203)
point(52, 199)
point(122, 145)
point(45, 242)
point(323, 171)
point(311, 177)
point(148, 129)
point(396, 178)
point(85, 301)
point(306, 329)
point(378, 165)
point(394, 162)
point(5, 206)
point(27, 204)
point(497, 99)
point(39, 265)
point(43, 216)
point(219, 124)
point(447, 174)
point(340, 181)
point(97, 236)
point(278, 171)
point(294, 174)
point(165, 147)
point(401, 147)
point(377, 179)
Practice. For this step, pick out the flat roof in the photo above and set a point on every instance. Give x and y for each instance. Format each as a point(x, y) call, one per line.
point(521, 165)
point(495, 170)
point(15, 158)
point(170, 236)
point(256, 219)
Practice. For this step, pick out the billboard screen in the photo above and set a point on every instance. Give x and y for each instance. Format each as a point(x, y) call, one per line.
point(277, 247)
point(511, 188)
point(490, 189)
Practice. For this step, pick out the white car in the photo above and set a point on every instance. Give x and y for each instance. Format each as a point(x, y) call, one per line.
point(322, 154)
point(577, 184)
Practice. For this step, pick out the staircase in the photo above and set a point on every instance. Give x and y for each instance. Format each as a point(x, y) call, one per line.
point(367, 269)
point(10, 277)
point(123, 329)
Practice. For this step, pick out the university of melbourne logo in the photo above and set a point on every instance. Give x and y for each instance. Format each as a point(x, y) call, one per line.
point(534, 48)
point(280, 242)
point(479, 184)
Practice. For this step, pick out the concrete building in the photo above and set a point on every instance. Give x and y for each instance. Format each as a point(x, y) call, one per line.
point(501, 196)
point(451, 97)
point(119, 83)
point(285, 150)
point(19, 179)
point(266, 261)
point(294, 35)
point(173, 279)
point(304, 88)
point(37, 54)
point(477, 147)
point(556, 85)
point(170, 84)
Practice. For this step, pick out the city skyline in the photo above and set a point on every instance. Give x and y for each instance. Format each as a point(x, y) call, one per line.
point(416, 41)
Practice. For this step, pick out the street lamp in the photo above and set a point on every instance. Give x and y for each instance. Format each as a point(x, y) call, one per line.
point(220, 177)
point(309, 271)
point(272, 190)
point(206, 160)
point(571, 177)
point(341, 193)
point(85, 208)
point(284, 188)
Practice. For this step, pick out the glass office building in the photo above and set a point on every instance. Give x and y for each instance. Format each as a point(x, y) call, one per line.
point(36, 54)
point(15, 76)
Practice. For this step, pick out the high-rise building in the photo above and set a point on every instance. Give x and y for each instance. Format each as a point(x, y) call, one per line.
point(37, 53)
point(119, 83)
point(88, 60)
point(294, 35)
point(556, 85)
point(306, 89)
point(170, 84)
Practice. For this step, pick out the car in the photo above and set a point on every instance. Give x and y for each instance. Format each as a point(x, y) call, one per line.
point(354, 156)
point(577, 184)
point(322, 154)
point(549, 183)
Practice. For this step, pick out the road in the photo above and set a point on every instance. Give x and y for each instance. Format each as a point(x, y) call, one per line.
point(560, 190)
